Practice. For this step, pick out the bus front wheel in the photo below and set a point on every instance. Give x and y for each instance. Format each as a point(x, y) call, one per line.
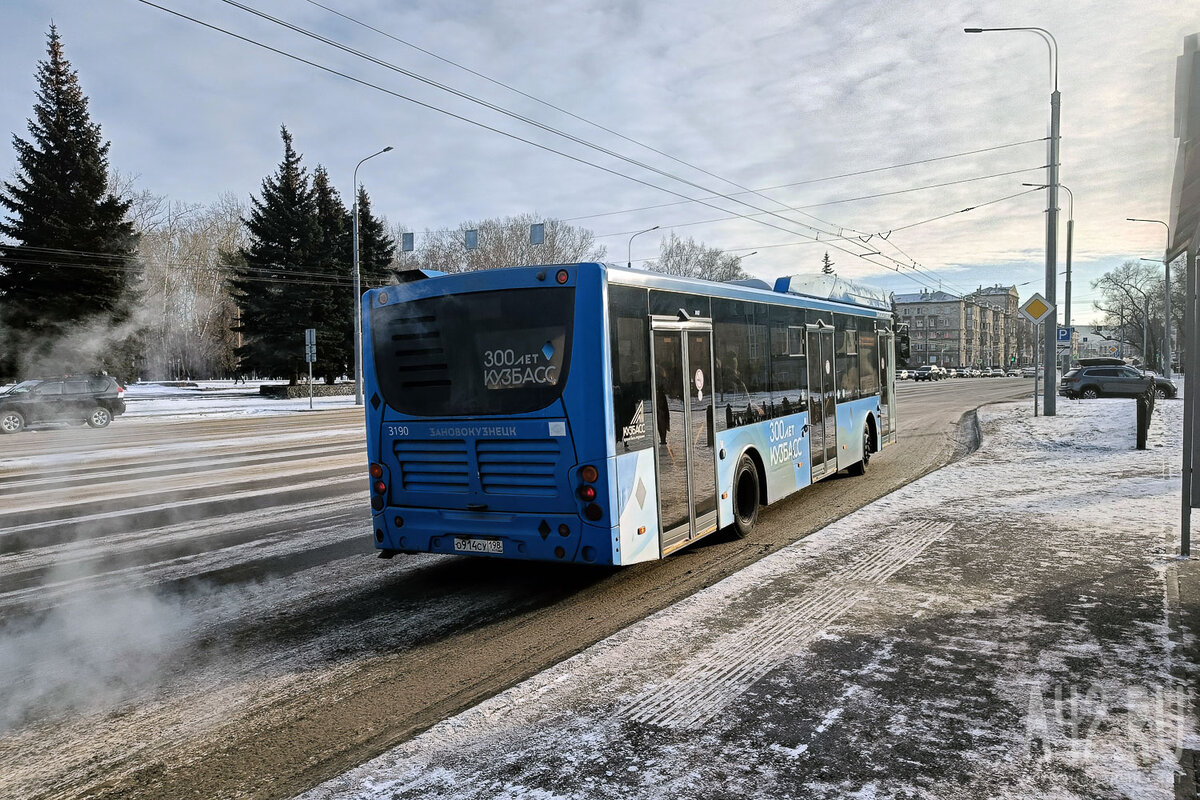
point(745, 497)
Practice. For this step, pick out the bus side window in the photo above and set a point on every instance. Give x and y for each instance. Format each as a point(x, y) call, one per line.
point(846, 344)
point(740, 345)
point(789, 366)
point(868, 358)
point(633, 412)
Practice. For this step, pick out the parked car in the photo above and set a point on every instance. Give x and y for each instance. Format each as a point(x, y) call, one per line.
point(952, 373)
point(1013, 373)
point(1104, 377)
point(1028, 372)
point(903, 375)
point(94, 399)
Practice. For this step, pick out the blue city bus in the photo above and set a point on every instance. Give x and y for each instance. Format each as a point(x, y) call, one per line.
point(594, 414)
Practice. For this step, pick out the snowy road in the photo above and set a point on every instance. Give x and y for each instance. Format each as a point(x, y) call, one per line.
point(221, 626)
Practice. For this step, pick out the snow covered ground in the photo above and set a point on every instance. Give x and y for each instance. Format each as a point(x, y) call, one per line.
point(1006, 627)
point(216, 399)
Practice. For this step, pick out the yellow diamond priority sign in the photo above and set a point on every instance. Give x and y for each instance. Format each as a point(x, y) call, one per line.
point(1036, 309)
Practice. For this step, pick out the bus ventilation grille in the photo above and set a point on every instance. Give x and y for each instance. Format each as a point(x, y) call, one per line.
point(420, 356)
point(518, 466)
point(433, 465)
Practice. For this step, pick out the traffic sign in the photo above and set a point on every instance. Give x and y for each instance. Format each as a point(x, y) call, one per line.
point(1036, 309)
point(310, 345)
point(1064, 335)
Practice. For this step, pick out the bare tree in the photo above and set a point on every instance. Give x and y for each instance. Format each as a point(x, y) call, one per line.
point(187, 309)
point(1132, 303)
point(505, 243)
point(691, 259)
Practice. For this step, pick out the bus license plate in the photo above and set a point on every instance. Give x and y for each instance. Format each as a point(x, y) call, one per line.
point(464, 544)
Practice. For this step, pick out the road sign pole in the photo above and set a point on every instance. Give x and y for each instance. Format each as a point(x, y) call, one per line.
point(1036, 350)
point(310, 355)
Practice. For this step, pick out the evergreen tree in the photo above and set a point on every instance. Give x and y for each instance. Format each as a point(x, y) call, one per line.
point(376, 248)
point(274, 300)
point(331, 311)
point(68, 275)
point(827, 265)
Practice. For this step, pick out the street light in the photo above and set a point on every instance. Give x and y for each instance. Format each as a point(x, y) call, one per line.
point(1166, 365)
point(1051, 323)
point(629, 253)
point(358, 394)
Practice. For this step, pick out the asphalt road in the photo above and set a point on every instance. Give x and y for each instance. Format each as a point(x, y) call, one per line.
point(219, 627)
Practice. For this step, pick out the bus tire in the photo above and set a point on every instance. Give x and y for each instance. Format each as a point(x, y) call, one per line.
point(861, 467)
point(745, 497)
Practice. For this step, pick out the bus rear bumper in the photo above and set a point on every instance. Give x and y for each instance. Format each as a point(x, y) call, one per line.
point(533, 537)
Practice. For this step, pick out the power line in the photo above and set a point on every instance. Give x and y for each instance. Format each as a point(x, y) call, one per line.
point(830, 237)
point(484, 126)
point(818, 180)
point(550, 105)
point(509, 113)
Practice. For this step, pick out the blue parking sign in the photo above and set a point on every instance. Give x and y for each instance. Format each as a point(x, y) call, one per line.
point(1064, 335)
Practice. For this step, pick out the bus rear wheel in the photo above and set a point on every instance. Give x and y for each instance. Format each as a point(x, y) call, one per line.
point(861, 467)
point(745, 497)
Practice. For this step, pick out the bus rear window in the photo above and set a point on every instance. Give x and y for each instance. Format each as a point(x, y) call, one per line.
point(486, 353)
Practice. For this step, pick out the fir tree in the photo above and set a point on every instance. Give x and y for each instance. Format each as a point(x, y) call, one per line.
point(274, 300)
point(827, 265)
point(376, 248)
point(68, 277)
point(332, 305)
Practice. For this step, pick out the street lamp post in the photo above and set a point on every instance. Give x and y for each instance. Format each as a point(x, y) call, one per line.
point(1166, 365)
point(1051, 323)
point(358, 394)
point(629, 253)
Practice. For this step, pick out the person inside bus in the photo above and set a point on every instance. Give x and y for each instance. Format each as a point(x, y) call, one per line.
point(662, 409)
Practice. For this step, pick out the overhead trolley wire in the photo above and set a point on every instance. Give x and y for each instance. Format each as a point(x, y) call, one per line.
point(529, 120)
point(504, 133)
point(820, 180)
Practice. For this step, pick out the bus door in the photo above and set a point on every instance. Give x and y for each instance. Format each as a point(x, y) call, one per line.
point(682, 365)
point(887, 383)
point(822, 402)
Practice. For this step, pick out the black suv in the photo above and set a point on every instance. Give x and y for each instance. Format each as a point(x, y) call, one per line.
point(1110, 378)
point(94, 399)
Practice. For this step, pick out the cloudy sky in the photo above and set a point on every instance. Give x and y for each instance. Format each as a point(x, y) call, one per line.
point(711, 98)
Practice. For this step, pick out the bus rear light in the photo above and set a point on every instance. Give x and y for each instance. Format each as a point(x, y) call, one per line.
point(562, 276)
point(587, 493)
point(376, 471)
point(564, 530)
point(377, 503)
point(378, 535)
point(381, 487)
point(593, 512)
point(589, 474)
point(398, 521)
point(559, 552)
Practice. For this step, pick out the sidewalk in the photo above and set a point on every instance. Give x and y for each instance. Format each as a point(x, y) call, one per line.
point(1007, 627)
